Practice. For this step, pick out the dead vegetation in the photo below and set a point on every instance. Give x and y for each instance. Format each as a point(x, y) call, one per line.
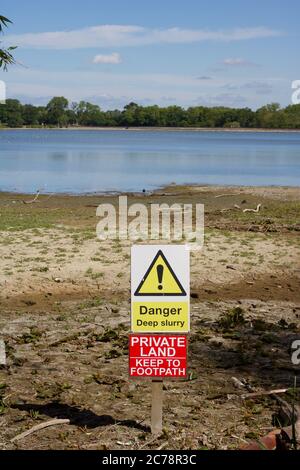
point(82, 377)
point(65, 323)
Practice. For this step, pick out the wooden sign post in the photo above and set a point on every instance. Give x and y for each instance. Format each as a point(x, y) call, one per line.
point(157, 406)
point(158, 357)
point(160, 295)
point(2, 353)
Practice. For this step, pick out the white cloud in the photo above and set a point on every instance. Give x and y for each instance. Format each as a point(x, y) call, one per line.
point(238, 62)
point(128, 35)
point(260, 87)
point(113, 58)
point(204, 77)
point(222, 99)
point(111, 90)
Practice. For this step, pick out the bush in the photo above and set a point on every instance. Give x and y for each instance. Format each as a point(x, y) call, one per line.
point(232, 318)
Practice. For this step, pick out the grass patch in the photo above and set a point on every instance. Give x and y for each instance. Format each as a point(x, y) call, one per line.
point(232, 318)
point(93, 275)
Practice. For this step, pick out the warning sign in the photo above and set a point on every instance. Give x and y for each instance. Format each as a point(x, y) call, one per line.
point(160, 279)
point(157, 356)
point(160, 289)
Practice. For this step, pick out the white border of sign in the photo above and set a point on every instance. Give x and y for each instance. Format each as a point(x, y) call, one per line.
point(178, 257)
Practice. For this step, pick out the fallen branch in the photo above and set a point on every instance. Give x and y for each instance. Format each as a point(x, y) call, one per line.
point(253, 210)
point(288, 435)
point(163, 445)
point(230, 208)
point(31, 201)
point(264, 392)
point(50, 195)
point(291, 416)
point(38, 427)
point(237, 207)
point(241, 384)
point(229, 194)
point(229, 266)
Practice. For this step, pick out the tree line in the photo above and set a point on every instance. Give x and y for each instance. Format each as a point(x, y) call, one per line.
point(60, 113)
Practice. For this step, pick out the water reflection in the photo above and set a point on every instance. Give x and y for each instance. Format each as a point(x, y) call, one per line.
point(87, 161)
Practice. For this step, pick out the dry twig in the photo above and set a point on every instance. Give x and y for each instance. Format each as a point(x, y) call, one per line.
point(229, 194)
point(38, 427)
point(31, 201)
point(253, 210)
point(264, 392)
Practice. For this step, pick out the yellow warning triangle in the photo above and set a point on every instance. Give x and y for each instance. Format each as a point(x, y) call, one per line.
point(160, 279)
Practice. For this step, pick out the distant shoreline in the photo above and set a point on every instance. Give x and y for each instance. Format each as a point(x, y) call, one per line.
point(169, 190)
point(156, 129)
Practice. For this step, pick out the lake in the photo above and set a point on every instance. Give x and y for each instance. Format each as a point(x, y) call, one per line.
point(83, 161)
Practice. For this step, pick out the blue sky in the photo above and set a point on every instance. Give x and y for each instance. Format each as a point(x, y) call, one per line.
point(233, 53)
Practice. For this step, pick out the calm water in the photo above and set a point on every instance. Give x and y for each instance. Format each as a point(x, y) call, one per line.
point(88, 161)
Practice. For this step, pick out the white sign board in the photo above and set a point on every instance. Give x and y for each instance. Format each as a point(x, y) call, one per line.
point(160, 289)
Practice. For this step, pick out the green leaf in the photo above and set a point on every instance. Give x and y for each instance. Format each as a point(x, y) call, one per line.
point(3, 21)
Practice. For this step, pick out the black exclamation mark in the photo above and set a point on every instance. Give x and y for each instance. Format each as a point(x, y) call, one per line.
point(160, 273)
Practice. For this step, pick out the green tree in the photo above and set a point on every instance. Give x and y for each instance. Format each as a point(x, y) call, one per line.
point(113, 118)
point(268, 116)
point(13, 113)
point(6, 57)
point(129, 114)
point(291, 116)
point(56, 111)
point(89, 114)
point(232, 125)
point(30, 115)
point(71, 117)
point(152, 116)
point(175, 116)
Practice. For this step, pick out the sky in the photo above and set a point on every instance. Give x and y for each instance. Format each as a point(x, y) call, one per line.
point(168, 52)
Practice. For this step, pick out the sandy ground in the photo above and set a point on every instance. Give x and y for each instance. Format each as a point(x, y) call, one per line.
point(65, 306)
